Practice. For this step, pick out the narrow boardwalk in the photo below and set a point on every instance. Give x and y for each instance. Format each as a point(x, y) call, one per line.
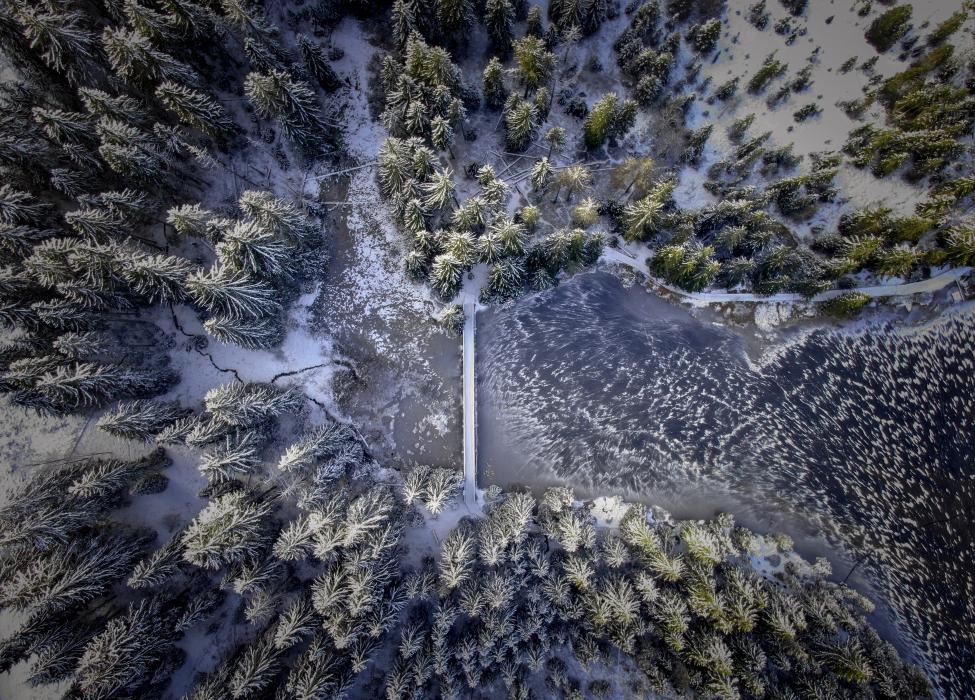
point(470, 410)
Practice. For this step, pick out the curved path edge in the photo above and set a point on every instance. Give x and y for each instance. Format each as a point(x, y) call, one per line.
point(932, 284)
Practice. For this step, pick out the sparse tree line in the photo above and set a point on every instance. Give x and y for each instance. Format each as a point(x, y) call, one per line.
point(928, 111)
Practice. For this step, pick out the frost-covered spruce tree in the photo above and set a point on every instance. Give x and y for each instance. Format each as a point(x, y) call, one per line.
point(61, 37)
point(120, 660)
point(521, 122)
point(494, 90)
point(535, 63)
point(194, 220)
point(245, 405)
point(276, 95)
point(230, 529)
point(499, 16)
point(141, 419)
point(224, 289)
point(194, 108)
point(248, 333)
point(317, 64)
point(134, 58)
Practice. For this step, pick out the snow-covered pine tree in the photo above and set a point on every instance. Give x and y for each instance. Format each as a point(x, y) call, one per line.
point(454, 17)
point(157, 27)
point(521, 121)
point(119, 661)
point(17, 207)
point(238, 456)
point(131, 152)
point(276, 95)
point(134, 58)
point(704, 36)
point(645, 216)
point(447, 275)
point(230, 529)
point(194, 220)
point(494, 90)
point(246, 405)
point(499, 16)
point(280, 215)
point(253, 248)
point(439, 190)
point(64, 127)
point(159, 567)
point(222, 289)
point(317, 64)
point(327, 441)
point(61, 37)
point(194, 108)
point(247, 333)
point(121, 108)
point(85, 384)
point(256, 667)
point(296, 623)
point(535, 63)
point(72, 575)
point(157, 278)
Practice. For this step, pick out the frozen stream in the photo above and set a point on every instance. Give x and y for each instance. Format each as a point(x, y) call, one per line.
point(856, 444)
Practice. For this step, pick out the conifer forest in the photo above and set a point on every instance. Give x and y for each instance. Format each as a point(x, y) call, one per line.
point(476, 349)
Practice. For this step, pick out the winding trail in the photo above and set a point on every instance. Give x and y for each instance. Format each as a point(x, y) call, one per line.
point(932, 284)
point(470, 409)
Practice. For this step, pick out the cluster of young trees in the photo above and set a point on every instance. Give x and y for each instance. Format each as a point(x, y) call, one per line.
point(927, 110)
point(423, 94)
point(645, 56)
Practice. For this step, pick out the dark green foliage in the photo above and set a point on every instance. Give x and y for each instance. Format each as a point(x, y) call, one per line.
point(795, 7)
point(317, 64)
point(806, 112)
point(498, 17)
point(846, 305)
point(689, 267)
point(758, 16)
point(947, 28)
point(608, 119)
point(888, 28)
point(771, 69)
point(704, 37)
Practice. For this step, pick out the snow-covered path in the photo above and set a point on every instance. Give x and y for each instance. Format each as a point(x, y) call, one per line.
point(470, 407)
point(931, 284)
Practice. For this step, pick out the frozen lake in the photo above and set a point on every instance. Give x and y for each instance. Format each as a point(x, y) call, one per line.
point(858, 444)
